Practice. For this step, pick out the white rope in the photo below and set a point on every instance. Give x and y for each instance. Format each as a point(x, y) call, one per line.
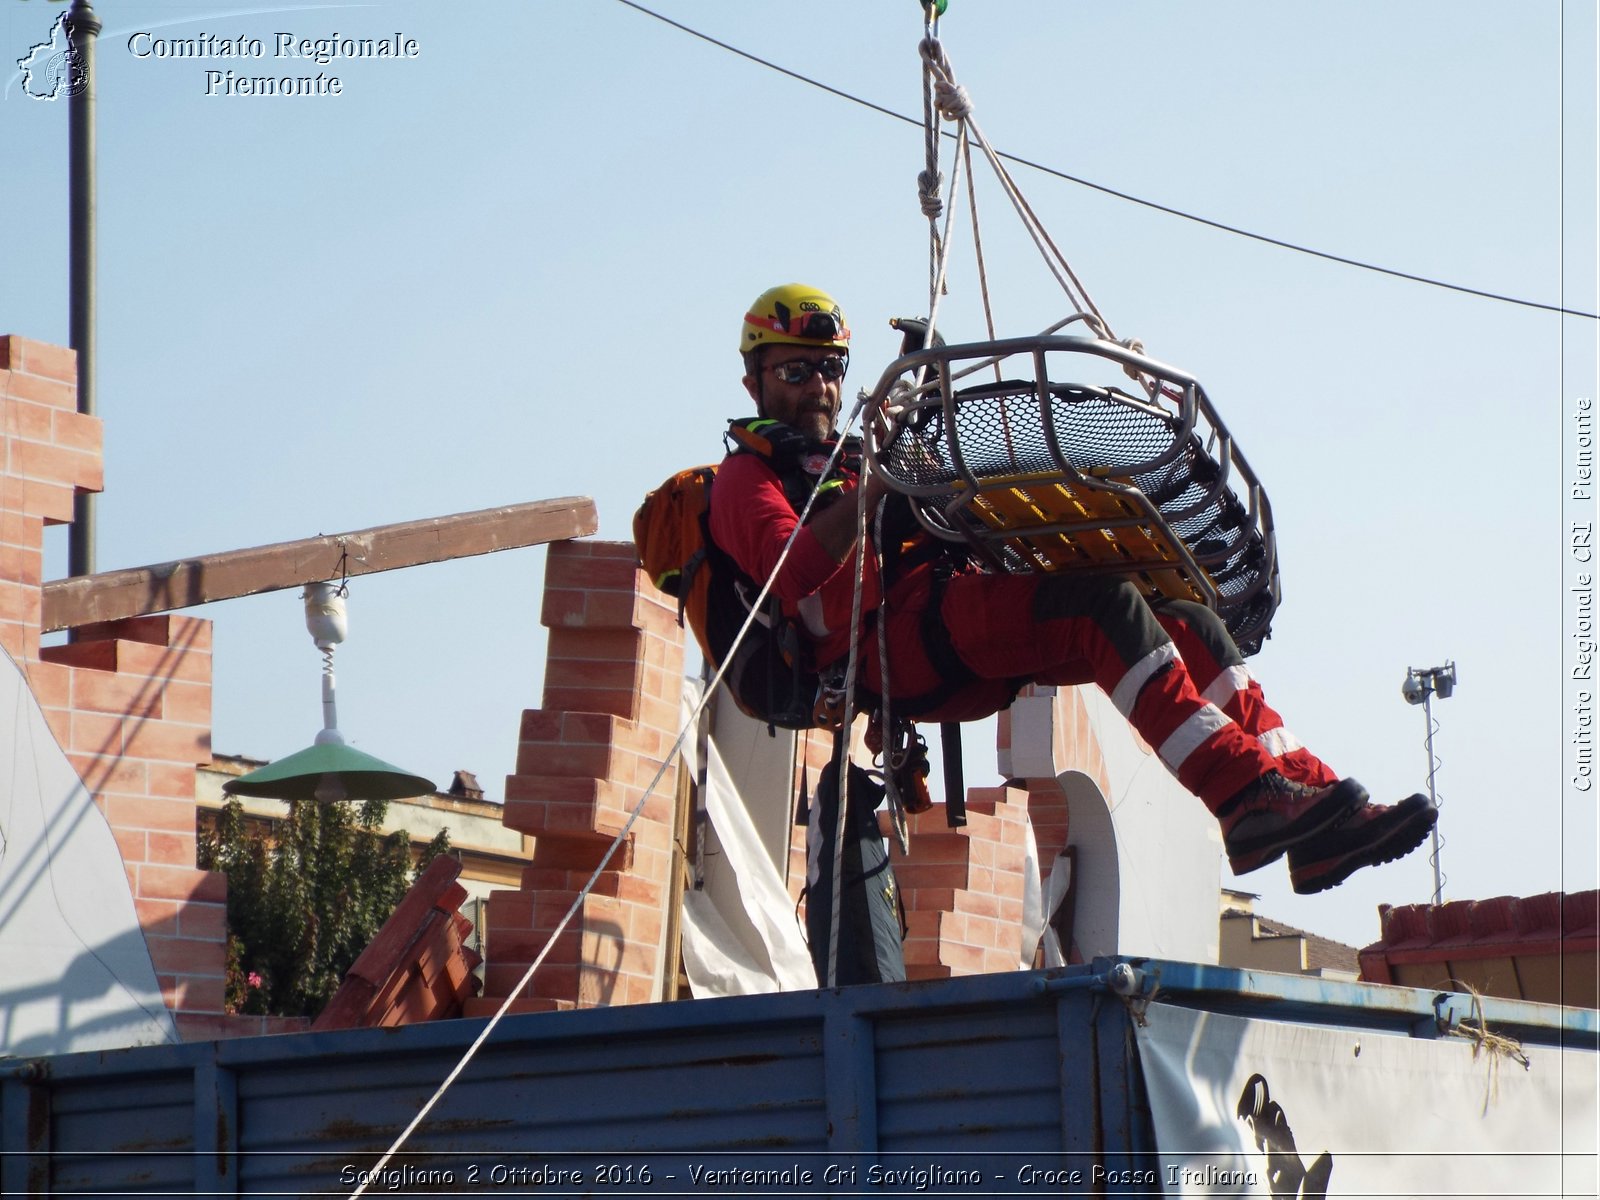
point(951, 101)
point(897, 806)
point(929, 180)
point(977, 250)
point(955, 104)
point(840, 823)
point(667, 760)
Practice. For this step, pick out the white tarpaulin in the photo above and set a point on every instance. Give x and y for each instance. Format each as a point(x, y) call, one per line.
point(740, 932)
point(75, 973)
point(1271, 1108)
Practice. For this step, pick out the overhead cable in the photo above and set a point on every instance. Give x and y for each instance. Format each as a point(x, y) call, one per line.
point(1110, 191)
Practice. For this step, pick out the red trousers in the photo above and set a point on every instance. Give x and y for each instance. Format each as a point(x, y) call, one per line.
point(959, 649)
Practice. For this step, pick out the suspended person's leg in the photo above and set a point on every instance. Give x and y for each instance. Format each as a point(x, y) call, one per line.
point(1221, 676)
point(1373, 834)
point(1060, 629)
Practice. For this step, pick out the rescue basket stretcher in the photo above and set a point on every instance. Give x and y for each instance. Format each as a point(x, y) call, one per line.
point(1037, 475)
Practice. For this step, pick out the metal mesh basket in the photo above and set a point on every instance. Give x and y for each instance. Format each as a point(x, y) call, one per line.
point(1039, 475)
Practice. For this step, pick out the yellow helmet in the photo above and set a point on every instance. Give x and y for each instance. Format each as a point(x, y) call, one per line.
point(794, 315)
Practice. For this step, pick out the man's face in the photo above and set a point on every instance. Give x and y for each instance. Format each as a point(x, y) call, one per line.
point(812, 407)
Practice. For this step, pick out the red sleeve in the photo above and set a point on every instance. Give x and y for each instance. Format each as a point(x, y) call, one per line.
point(751, 520)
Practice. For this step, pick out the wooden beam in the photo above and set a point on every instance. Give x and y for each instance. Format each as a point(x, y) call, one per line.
point(138, 591)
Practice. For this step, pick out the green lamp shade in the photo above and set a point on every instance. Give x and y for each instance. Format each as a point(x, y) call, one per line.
point(330, 771)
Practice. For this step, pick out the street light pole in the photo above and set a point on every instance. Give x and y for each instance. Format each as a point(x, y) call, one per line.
point(82, 29)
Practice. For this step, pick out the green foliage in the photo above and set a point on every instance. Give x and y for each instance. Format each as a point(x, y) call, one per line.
point(305, 898)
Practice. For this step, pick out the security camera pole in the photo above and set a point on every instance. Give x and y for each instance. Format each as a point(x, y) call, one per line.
point(1419, 688)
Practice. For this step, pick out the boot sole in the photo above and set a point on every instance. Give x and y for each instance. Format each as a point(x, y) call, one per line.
point(1343, 800)
point(1327, 861)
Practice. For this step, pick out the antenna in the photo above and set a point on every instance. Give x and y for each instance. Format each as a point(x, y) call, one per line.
point(1420, 687)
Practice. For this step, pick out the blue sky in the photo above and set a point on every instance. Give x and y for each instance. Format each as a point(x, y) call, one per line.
point(511, 268)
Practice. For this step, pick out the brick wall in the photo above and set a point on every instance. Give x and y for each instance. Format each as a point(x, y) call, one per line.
point(613, 675)
point(129, 701)
point(611, 712)
point(963, 887)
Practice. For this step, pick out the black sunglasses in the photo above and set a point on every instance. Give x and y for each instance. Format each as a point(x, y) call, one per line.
point(798, 371)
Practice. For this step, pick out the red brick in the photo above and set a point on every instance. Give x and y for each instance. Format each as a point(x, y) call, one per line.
point(542, 817)
point(176, 883)
point(589, 572)
point(562, 609)
point(560, 789)
point(913, 876)
point(591, 645)
point(514, 946)
point(130, 844)
point(40, 358)
point(640, 889)
point(52, 685)
point(45, 392)
point(539, 725)
point(56, 464)
point(123, 776)
point(20, 604)
point(487, 1008)
point(154, 630)
point(150, 813)
point(560, 881)
point(99, 734)
point(189, 656)
point(926, 899)
point(172, 779)
point(931, 849)
point(93, 656)
point(50, 501)
point(962, 960)
point(27, 568)
point(77, 431)
point(119, 693)
point(174, 849)
point(20, 530)
point(158, 918)
point(585, 728)
point(28, 421)
point(211, 1027)
point(543, 758)
point(643, 926)
point(981, 904)
point(182, 956)
point(614, 610)
point(572, 853)
point(173, 743)
point(19, 639)
point(194, 993)
point(187, 703)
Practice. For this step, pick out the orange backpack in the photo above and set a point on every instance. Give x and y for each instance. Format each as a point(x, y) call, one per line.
point(769, 676)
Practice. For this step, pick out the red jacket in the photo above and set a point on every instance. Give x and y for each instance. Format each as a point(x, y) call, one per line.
point(751, 519)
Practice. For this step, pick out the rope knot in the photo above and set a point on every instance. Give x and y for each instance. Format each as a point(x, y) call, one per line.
point(952, 99)
point(928, 185)
point(1137, 347)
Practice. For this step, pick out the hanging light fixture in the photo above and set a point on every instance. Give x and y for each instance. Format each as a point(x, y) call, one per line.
point(328, 770)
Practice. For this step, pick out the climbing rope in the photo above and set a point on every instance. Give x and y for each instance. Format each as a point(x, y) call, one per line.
point(949, 100)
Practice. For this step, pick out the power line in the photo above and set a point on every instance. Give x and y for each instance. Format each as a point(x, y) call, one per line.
point(1110, 191)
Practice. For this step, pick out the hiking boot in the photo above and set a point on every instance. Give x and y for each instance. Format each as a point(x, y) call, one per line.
point(1377, 833)
point(1268, 816)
